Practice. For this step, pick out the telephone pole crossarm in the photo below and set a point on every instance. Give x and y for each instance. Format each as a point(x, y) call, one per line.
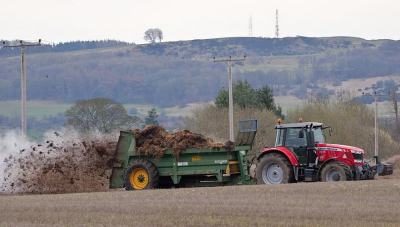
point(22, 45)
point(230, 60)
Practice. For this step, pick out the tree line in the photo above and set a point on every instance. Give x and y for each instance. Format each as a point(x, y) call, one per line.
point(61, 47)
point(137, 75)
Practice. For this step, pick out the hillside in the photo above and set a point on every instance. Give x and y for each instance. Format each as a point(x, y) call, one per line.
point(178, 73)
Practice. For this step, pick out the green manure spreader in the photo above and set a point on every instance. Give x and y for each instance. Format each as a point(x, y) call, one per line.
point(191, 167)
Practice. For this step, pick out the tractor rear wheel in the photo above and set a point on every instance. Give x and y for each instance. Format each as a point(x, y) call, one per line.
point(141, 174)
point(336, 171)
point(274, 169)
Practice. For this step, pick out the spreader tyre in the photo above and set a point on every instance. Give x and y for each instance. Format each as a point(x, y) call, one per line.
point(274, 169)
point(141, 174)
point(336, 171)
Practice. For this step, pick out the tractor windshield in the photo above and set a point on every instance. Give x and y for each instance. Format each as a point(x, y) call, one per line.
point(318, 135)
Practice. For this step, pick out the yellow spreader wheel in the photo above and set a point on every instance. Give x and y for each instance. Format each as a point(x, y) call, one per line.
point(141, 175)
point(139, 178)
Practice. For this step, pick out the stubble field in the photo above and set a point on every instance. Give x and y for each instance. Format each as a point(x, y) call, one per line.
point(362, 203)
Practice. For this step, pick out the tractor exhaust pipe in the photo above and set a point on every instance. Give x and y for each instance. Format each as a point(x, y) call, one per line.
point(312, 156)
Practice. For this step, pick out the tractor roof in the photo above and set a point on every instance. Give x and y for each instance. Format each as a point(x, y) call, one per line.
point(299, 125)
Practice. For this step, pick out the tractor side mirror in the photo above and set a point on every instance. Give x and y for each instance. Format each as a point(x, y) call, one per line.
point(330, 131)
point(301, 134)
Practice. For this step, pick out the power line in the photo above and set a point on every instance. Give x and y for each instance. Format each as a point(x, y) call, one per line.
point(23, 47)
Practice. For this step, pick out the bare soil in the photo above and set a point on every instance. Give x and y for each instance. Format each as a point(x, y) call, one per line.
point(355, 203)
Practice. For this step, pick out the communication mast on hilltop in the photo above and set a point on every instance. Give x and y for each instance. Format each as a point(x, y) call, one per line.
point(276, 25)
point(250, 27)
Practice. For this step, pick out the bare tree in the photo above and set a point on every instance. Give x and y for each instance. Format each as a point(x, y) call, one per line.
point(159, 34)
point(150, 35)
point(153, 34)
point(103, 114)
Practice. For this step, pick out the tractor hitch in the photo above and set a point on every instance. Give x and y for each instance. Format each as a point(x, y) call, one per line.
point(368, 172)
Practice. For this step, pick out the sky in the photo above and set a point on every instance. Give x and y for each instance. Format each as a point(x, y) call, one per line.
point(57, 21)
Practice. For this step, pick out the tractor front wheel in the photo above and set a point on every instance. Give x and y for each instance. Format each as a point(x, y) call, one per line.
point(274, 169)
point(336, 171)
point(141, 174)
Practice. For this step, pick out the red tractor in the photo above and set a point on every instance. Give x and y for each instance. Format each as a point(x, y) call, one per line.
point(302, 154)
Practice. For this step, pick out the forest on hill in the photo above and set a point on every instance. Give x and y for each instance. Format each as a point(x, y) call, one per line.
point(177, 73)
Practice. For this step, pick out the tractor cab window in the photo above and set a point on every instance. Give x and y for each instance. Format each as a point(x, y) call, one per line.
point(293, 139)
point(319, 137)
point(279, 137)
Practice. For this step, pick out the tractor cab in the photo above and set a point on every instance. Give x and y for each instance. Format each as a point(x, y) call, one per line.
point(301, 139)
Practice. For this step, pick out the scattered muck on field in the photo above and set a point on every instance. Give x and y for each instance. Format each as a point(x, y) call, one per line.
point(67, 163)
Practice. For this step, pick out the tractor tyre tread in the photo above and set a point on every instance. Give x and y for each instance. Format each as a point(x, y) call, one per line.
point(347, 171)
point(151, 170)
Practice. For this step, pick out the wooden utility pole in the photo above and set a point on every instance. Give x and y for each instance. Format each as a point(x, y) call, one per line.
point(229, 62)
point(23, 79)
point(376, 95)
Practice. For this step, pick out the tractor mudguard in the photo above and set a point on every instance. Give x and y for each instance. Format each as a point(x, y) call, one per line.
point(281, 150)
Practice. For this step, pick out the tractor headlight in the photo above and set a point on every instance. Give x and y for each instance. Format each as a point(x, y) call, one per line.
point(356, 152)
point(358, 156)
